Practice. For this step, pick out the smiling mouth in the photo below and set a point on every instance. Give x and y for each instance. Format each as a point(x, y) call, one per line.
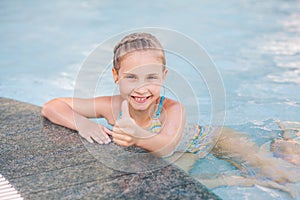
point(140, 99)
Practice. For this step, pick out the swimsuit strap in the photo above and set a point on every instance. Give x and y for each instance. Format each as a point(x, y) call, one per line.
point(157, 114)
point(155, 125)
point(120, 115)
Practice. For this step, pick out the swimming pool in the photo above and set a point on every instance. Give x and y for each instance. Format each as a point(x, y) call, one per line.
point(254, 44)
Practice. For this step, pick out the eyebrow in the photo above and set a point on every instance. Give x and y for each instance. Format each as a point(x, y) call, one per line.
point(152, 74)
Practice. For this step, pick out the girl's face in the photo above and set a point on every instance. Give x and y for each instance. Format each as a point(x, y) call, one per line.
point(140, 78)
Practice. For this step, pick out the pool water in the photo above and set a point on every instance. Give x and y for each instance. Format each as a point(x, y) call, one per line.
point(254, 44)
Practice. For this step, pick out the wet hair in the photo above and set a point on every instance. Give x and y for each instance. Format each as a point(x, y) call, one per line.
point(137, 42)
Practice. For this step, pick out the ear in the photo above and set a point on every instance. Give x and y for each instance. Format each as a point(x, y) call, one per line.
point(115, 75)
point(165, 73)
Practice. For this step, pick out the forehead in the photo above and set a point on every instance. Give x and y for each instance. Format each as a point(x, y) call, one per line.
point(141, 60)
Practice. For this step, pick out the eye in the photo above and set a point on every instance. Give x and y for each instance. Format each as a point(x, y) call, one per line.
point(130, 76)
point(152, 77)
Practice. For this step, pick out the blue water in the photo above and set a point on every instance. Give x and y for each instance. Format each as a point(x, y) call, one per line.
point(254, 44)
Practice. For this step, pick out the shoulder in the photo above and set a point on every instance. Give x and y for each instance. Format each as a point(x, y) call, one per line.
point(170, 104)
point(173, 108)
point(108, 107)
point(173, 117)
point(102, 99)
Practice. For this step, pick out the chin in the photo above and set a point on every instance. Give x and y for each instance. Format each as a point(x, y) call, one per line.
point(141, 103)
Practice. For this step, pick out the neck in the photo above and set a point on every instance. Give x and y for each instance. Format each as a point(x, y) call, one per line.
point(143, 117)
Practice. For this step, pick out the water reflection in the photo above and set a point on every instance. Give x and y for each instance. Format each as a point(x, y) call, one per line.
point(285, 48)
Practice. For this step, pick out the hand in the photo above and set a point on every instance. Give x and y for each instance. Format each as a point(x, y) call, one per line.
point(125, 129)
point(93, 132)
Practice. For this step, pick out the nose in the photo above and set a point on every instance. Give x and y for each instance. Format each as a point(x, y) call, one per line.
point(141, 87)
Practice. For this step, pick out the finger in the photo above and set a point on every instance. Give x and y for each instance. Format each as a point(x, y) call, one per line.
point(125, 110)
point(123, 131)
point(97, 139)
point(122, 137)
point(107, 131)
point(104, 138)
point(121, 143)
point(89, 139)
point(101, 139)
point(105, 134)
point(124, 128)
point(117, 130)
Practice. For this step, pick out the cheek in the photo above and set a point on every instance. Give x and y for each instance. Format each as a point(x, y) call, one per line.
point(125, 87)
point(155, 89)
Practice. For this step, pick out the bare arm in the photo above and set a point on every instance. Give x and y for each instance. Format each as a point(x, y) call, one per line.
point(165, 142)
point(74, 113)
point(127, 132)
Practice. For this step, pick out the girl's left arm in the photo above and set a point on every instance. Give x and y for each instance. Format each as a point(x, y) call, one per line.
point(165, 142)
point(128, 133)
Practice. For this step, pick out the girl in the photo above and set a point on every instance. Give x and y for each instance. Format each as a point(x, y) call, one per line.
point(143, 118)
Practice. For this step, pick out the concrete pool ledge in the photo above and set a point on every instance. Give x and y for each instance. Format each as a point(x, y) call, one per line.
point(46, 161)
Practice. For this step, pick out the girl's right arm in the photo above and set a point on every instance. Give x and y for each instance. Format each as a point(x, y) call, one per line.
point(73, 113)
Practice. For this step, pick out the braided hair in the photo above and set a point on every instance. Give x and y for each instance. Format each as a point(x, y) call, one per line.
point(137, 42)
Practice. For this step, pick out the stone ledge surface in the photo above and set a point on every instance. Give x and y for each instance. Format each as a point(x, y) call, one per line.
point(46, 161)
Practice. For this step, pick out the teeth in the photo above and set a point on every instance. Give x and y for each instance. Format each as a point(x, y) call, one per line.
point(140, 99)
